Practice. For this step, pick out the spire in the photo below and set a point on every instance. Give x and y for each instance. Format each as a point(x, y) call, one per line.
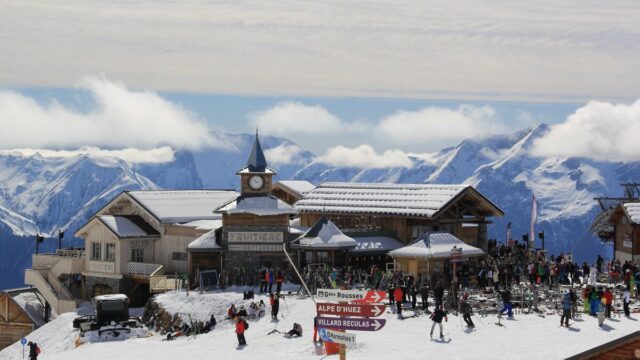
point(256, 161)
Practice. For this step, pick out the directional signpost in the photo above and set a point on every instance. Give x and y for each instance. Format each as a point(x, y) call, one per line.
point(363, 304)
point(346, 323)
point(23, 342)
point(350, 309)
point(337, 337)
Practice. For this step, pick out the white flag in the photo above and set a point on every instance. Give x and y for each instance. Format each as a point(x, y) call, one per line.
point(534, 215)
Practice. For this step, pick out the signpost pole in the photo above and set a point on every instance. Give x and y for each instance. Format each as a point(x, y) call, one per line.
point(284, 248)
point(23, 341)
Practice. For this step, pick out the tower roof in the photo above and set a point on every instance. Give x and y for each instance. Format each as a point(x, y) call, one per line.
point(256, 163)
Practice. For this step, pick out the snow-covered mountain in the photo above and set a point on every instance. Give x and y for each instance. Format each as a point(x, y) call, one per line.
point(502, 168)
point(47, 194)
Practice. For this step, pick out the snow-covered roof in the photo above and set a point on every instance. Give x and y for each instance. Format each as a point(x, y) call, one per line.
point(204, 224)
point(436, 246)
point(633, 209)
point(367, 244)
point(325, 235)
point(128, 226)
point(299, 187)
point(177, 206)
point(396, 199)
point(258, 204)
point(206, 242)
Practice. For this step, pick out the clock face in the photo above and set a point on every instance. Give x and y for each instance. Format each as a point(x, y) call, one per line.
point(256, 182)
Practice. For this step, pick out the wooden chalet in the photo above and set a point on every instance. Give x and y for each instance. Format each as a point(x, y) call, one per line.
point(624, 348)
point(626, 237)
point(291, 191)
point(385, 217)
point(15, 322)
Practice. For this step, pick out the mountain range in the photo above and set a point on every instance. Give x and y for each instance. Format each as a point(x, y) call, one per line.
point(43, 193)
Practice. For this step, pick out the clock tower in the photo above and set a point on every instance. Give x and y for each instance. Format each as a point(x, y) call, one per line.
point(256, 177)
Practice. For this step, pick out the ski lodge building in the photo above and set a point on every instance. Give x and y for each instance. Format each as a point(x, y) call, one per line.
point(626, 237)
point(150, 241)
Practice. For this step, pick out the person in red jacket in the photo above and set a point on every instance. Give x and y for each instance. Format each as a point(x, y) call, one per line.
point(279, 281)
point(241, 326)
point(397, 295)
point(608, 297)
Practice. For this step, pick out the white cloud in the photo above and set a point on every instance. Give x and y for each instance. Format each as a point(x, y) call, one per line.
point(134, 156)
point(411, 48)
point(364, 156)
point(295, 118)
point(283, 154)
point(598, 130)
point(436, 127)
point(119, 118)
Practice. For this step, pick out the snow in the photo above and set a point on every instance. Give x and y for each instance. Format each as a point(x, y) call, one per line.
point(633, 209)
point(204, 224)
point(399, 199)
point(29, 302)
point(183, 205)
point(368, 244)
point(205, 242)
point(436, 246)
point(299, 187)
point(525, 337)
point(262, 205)
point(124, 227)
point(325, 235)
point(111, 297)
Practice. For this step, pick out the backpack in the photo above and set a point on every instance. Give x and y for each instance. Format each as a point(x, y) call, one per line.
point(38, 351)
point(246, 324)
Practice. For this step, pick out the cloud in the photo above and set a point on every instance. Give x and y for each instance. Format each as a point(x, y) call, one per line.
point(283, 154)
point(118, 118)
point(439, 126)
point(364, 156)
point(598, 130)
point(134, 156)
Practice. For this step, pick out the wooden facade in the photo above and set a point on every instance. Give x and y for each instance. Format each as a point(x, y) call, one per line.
point(624, 348)
point(14, 321)
point(626, 240)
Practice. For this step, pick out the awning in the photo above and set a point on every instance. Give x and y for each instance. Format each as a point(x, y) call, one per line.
point(436, 246)
point(324, 235)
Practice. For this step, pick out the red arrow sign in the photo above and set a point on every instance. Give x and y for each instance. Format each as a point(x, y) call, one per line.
point(350, 309)
point(372, 297)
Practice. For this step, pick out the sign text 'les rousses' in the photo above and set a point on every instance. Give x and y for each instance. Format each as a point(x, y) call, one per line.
point(337, 337)
point(351, 323)
point(350, 295)
point(350, 309)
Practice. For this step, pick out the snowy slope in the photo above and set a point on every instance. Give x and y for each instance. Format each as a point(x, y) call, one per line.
point(526, 337)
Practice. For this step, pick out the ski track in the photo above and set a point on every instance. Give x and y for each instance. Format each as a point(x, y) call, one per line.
point(526, 337)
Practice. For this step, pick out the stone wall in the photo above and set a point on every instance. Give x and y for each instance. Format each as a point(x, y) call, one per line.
point(92, 281)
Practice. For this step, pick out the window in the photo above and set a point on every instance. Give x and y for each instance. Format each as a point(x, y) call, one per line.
point(110, 253)
point(137, 255)
point(96, 251)
point(179, 256)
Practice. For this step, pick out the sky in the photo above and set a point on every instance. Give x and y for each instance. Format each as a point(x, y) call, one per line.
point(359, 77)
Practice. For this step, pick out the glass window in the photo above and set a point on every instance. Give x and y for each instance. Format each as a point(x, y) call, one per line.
point(179, 256)
point(110, 252)
point(96, 251)
point(137, 255)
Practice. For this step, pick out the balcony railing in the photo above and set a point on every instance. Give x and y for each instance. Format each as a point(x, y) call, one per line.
point(142, 269)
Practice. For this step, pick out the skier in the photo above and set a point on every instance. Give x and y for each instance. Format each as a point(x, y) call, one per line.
point(398, 295)
point(466, 310)
point(275, 306)
point(34, 350)
point(279, 281)
point(574, 303)
point(424, 293)
point(437, 317)
point(626, 299)
point(438, 294)
point(566, 308)
point(599, 311)
point(262, 308)
point(296, 331)
point(315, 329)
point(506, 304)
point(608, 302)
point(231, 313)
point(241, 326)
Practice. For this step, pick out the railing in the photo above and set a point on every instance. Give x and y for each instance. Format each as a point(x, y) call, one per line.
point(34, 278)
point(70, 263)
point(142, 269)
point(163, 283)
